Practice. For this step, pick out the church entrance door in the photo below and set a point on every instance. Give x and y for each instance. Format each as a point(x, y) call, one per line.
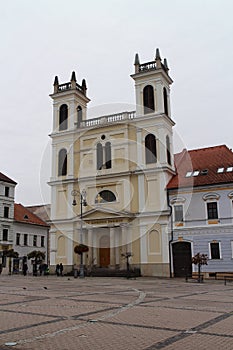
point(104, 251)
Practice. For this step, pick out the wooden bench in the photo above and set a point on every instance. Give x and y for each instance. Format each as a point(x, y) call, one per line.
point(228, 278)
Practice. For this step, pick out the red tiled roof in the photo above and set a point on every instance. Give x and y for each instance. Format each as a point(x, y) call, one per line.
point(23, 215)
point(210, 159)
point(6, 179)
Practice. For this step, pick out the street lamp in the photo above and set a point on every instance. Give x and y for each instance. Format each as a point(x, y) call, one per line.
point(83, 202)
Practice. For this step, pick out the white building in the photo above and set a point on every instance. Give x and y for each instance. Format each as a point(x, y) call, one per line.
point(7, 194)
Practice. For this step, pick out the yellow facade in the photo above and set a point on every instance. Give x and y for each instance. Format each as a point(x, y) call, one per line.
point(125, 206)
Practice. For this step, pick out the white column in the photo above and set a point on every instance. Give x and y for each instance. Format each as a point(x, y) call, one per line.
point(117, 246)
point(70, 250)
point(159, 92)
point(53, 248)
point(112, 246)
point(143, 244)
point(139, 148)
point(95, 251)
point(90, 245)
point(165, 243)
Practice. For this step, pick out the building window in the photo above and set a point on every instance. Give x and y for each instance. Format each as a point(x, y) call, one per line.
point(35, 241)
point(42, 241)
point(215, 251)
point(212, 210)
point(150, 146)
point(62, 162)
point(108, 155)
point(80, 115)
point(25, 239)
point(7, 191)
point(99, 156)
point(63, 117)
point(148, 99)
point(18, 239)
point(5, 234)
point(165, 101)
point(168, 150)
point(105, 196)
point(179, 213)
point(6, 212)
point(104, 156)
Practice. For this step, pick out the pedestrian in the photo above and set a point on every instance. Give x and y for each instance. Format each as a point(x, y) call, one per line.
point(25, 268)
point(61, 269)
point(58, 269)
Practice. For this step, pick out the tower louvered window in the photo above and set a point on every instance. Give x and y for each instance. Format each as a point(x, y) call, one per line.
point(62, 162)
point(148, 99)
point(150, 147)
point(63, 117)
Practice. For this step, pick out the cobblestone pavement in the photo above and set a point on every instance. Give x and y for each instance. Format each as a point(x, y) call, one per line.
point(64, 313)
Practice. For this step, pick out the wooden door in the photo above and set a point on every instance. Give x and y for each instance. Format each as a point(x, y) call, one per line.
point(104, 251)
point(182, 259)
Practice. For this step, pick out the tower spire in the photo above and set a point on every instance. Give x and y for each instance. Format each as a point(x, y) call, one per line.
point(56, 84)
point(137, 63)
point(158, 59)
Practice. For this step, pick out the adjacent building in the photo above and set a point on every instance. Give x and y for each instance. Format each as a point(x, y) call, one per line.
point(201, 197)
point(7, 194)
point(30, 233)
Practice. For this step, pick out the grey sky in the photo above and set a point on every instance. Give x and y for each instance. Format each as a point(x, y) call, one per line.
point(99, 39)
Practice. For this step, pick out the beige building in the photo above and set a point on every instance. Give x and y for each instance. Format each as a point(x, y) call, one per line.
point(120, 164)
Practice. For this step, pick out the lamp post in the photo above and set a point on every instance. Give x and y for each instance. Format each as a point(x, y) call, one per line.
point(83, 202)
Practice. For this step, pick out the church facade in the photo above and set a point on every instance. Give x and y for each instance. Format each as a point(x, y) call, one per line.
point(115, 168)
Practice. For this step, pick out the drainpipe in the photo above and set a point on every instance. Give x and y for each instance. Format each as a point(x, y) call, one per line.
point(171, 240)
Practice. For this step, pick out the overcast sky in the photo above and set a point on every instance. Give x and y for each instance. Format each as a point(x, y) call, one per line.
point(99, 39)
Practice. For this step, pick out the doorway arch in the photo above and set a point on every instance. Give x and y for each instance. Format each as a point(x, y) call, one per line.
point(182, 259)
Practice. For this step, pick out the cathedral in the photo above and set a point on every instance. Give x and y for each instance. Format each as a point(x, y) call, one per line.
point(110, 174)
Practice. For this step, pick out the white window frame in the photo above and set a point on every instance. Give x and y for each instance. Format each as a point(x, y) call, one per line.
point(220, 250)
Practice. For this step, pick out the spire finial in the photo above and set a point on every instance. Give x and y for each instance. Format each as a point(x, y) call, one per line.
point(56, 84)
point(73, 80)
point(158, 59)
point(165, 64)
point(84, 86)
point(157, 55)
point(73, 77)
point(136, 63)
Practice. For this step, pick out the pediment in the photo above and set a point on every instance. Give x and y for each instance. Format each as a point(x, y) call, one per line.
point(104, 214)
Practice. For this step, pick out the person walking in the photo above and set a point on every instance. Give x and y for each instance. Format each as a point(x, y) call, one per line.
point(58, 270)
point(25, 268)
point(61, 269)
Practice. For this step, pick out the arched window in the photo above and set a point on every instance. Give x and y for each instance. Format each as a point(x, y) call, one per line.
point(108, 155)
point(168, 150)
point(105, 196)
point(62, 162)
point(165, 101)
point(80, 115)
point(99, 156)
point(148, 99)
point(63, 117)
point(151, 153)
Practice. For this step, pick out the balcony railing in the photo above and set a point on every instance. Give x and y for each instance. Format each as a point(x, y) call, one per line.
point(147, 66)
point(108, 119)
point(68, 86)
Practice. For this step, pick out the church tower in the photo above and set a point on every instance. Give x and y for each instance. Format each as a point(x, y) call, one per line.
point(69, 111)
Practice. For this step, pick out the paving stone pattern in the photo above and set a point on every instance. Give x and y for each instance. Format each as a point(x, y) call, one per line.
point(64, 313)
